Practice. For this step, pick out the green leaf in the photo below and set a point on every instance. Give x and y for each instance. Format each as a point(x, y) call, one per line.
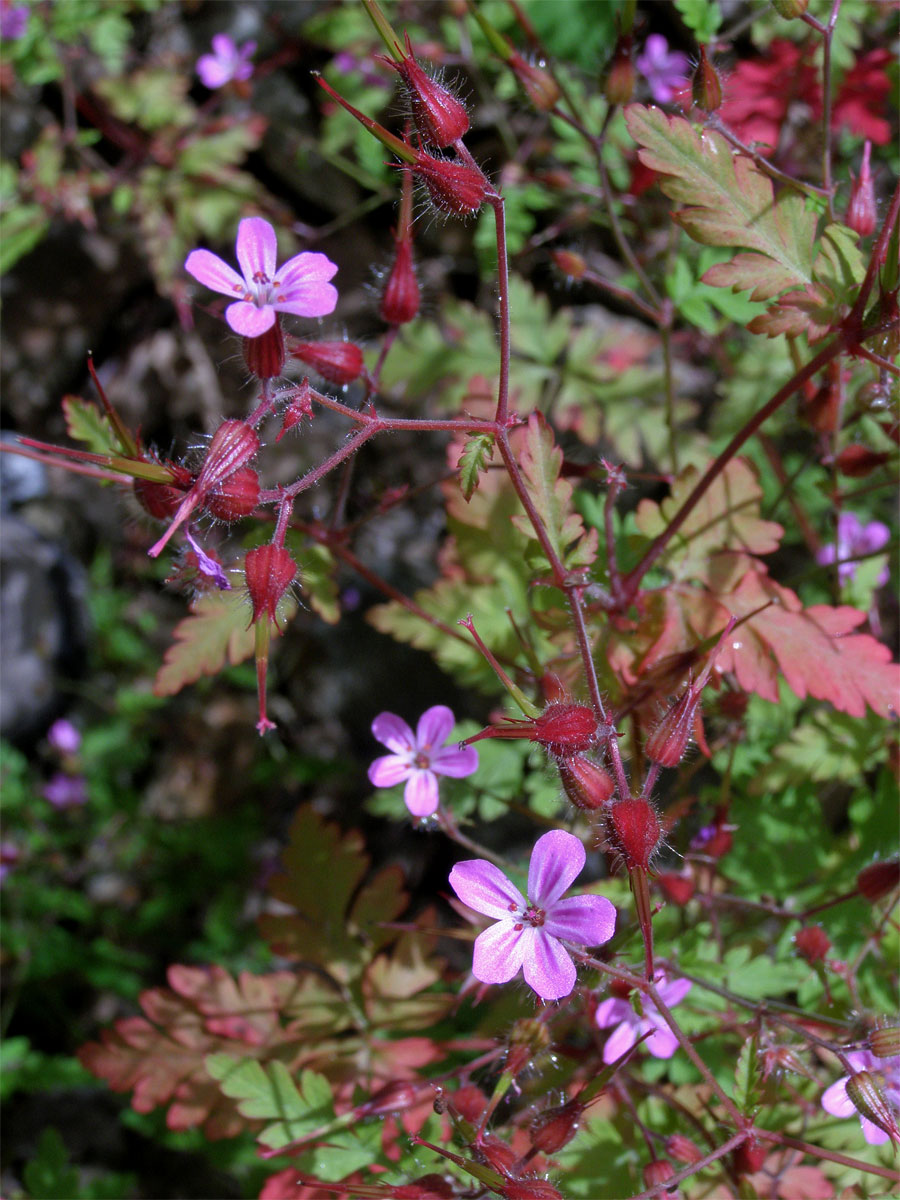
point(151, 98)
point(317, 581)
point(215, 631)
point(702, 17)
point(86, 423)
point(268, 1093)
point(21, 228)
point(477, 453)
point(747, 1085)
point(49, 1173)
point(730, 203)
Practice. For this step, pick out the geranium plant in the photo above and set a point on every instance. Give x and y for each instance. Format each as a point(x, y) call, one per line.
point(631, 470)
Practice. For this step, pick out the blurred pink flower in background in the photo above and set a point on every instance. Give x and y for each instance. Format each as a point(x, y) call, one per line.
point(665, 70)
point(854, 540)
point(228, 61)
point(661, 1043)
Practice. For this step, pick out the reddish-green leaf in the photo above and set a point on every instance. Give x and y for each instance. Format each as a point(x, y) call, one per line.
point(86, 423)
point(726, 518)
point(473, 461)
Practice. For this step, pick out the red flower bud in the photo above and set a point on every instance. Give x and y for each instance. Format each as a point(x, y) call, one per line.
point(338, 362)
point(706, 87)
point(812, 943)
point(856, 461)
point(264, 355)
point(586, 783)
point(668, 742)
point(393, 1097)
point(496, 1153)
point(749, 1157)
point(440, 117)
point(677, 888)
point(161, 500)
point(270, 571)
point(234, 498)
point(861, 215)
point(633, 830)
point(660, 1170)
point(885, 1042)
point(454, 187)
point(427, 1187)
point(563, 730)
point(530, 1189)
point(868, 1098)
point(400, 298)
point(555, 1127)
point(540, 87)
point(299, 407)
point(620, 77)
point(682, 1149)
point(878, 880)
point(569, 263)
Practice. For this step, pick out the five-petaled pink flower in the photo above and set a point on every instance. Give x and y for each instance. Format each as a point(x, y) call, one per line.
point(886, 1071)
point(418, 758)
point(855, 541)
point(228, 61)
point(661, 1043)
point(665, 70)
point(527, 934)
point(300, 286)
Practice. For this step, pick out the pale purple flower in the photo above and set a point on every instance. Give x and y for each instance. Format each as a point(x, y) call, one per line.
point(300, 286)
point(886, 1070)
point(630, 1025)
point(208, 566)
point(527, 934)
point(418, 758)
point(64, 737)
point(665, 70)
point(228, 61)
point(13, 20)
point(66, 791)
point(854, 540)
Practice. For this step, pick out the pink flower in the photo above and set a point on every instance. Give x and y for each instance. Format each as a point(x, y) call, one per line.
point(66, 791)
point(527, 932)
point(64, 737)
point(665, 70)
point(886, 1071)
point(300, 286)
point(419, 757)
point(661, 1043)
point(854, 540)
point(227, 62)
point(210, 568)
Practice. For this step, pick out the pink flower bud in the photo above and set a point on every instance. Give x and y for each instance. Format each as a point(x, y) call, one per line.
point(861, 215)
point(454, 187)
point(400, 298)
point(539, 85)
point(660, 1170)
point(585, 783)
point(867, 1097)
point(235, 497)
point(264, 355)
point(555, 1127)
point(270, 571)
point(440, 117)
point(750, 1157)
point(885, 1042)
point(633, 830)
point(812, 943)
point(878, 880)
point(706, 87)
point(338, 362)
point(570, 263)
point(682, 1149)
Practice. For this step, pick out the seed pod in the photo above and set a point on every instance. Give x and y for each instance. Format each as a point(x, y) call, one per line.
point(660, 1170)
point(539, 85)
point(620, 78)
point(682, 1149)
point(400, 298)
point(885, 1042)
point(585, 783)
point(530, 1189)
point(812, 943)
point(632, 827)
point(878, 880)
point(861, 215)
point(264, 355)
point(440, 117)
point(867, 1097)
point(555, 1127)
point(570, 263)
point(706, 87)
point(269, 571)
point(234, 498)
point(454, 187)
point(161, 500)
point(338, 362)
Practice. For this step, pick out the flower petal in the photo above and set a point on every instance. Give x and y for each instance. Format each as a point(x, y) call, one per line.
point(308, 300)
point(836, 1101)
point(257, 249)
point(587, 920)
point(389, 770)
point(498, 951)
point(248, 320)
point(421, 793)
point(673, 993)
point(223, 46)
point(434, 727)
point(392, 731)
point(873, 1135)
point(557, 858)
point(547, 966)
point(619, 1041)
point(456, 761)
point(212, 71)
point(307, 267)
point(612, 1010)
point(213, 272)
point(485, 888)
point(662, 1042)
